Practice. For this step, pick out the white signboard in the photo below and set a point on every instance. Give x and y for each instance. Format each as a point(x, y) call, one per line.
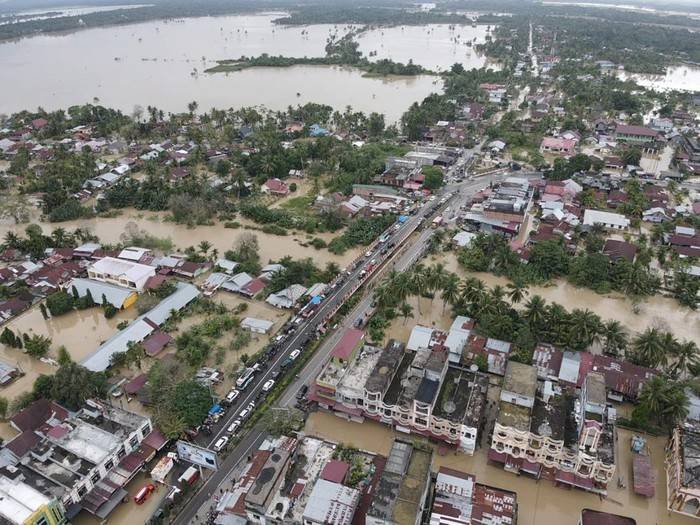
point(199, 456)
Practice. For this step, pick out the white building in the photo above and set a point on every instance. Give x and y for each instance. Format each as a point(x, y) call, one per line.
point(611, 221)
point(122, 273)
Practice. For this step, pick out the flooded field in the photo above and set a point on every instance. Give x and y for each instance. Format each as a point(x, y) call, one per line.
point(656, 311)
point(161, 63)
point(435, 46)
point(539, 502)
point(272, 247)
point(683, 78)
point(81, 332)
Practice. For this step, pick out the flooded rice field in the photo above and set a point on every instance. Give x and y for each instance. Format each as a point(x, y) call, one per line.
point(538, 502)
point(660, 312)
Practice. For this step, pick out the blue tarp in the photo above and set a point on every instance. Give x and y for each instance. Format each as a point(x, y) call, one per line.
point(403, 218)
point(215, 409)
point(316, 299)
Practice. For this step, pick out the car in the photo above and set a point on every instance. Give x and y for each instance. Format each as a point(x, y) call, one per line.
point(233, 427)
point(294, 354)
point(287, 362)
point(244, 414)
point(232, 396)
point(268, 385)
point(302, 391)
point(256, 367)
point(221, 443)
point(368, 253)
point(275, 374)
point(250, 407)
point(144, 493)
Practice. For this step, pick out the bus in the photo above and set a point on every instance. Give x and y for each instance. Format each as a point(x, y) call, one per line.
point(245, 379)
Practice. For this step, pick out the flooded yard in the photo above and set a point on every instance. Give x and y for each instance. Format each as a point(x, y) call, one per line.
point(657, 311)
point(80, 331)
point(539, 502)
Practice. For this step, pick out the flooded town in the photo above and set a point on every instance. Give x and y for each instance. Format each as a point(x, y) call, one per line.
point(350, 262)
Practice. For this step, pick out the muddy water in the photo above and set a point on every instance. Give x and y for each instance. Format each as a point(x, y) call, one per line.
point(657, 311)
point(538, 502)
point(272, 247)
point(81, 332)
point(435, 46)
point(161, 63)
point(683, 78)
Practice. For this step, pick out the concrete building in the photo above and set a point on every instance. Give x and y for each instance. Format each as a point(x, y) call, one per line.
point(557, 435)
point(606, 219)
point(331, 504)
point(22, 504)
point(400, 496)
point(459, 499)
point(683, 470)
point(121, 273)
point(81, 460)
point(117, 296)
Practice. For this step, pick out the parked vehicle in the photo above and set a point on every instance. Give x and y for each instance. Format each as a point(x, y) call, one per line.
point(302, 391)
point(268, 385)
point(232, 396)
point(143, 494)
point(233, 427)
point(294, 354)
point(244, 414)
point(221, 443)
point(245, 379)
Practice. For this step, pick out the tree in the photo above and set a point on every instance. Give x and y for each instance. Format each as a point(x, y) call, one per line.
point(615, 338)
point(37, 345)
point(648, 349)
point(517, 292)
point(109, 310)
point(406, 311)
point(8, 338)
point(59, 303)
point(450, 290)
point(4, 405)
point(44, 312)
point(64, 358)
point(686, 358)
point(71, 385)
point(586, 328)
point(664, 400)
point(434, 177)
point(191, 402)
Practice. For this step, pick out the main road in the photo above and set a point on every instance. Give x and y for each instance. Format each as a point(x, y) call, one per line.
point(409, 243)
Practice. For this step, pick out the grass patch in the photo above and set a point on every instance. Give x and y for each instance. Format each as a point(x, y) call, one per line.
point(301, 204)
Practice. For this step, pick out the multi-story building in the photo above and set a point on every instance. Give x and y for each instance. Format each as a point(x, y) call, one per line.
point(82, 460)
point(683, 470)
point(547, 432)
point(22, 504)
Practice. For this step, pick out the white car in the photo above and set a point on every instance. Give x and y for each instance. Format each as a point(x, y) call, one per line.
point(244, 414)
point(232, 396)
point(294, 354)
point(268, 385)
point(369, 253)
point(250, 407)
point(233, 427)
point(221, 443)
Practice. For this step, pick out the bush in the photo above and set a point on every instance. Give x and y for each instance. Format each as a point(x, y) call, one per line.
point(110, 311)
point(318, 243)
point(234, 225)
point(59, 303)
point(273, 229)
point(293, 187)
point(37, 345)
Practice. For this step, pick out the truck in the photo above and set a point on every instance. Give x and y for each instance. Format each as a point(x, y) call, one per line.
point(437, 221)
point(163, 467)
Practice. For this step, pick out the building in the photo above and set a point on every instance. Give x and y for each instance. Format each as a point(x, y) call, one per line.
point(331, 503)
point(635, 134)
point(683, 470)
point(78, 461)
point(558, 146)
point(606, 219)
point(260, 497)
point(459, 499)
point(117, 296)
point(415, 391)
point(121, 273)
point(258, 326)
point(275, 187)
point(288, 297)
point(547, 432)
point(22, 504)
point(400, 495)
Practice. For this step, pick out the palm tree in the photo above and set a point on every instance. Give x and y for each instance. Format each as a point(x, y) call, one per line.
point(436, 278)
point(59, 237)
point(407, 311)
point(615, 336)
point(653, 395)
point(649, 349)
point(450, 290)
point(686, 356)
point(472, 289)
point(498, 292)
point(419, 282)
point(11, 240)
point(517, 292)
point(535, 312)
point(586, 328)
point(204, 247)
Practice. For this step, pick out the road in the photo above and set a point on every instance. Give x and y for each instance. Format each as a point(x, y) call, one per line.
point(402, 257)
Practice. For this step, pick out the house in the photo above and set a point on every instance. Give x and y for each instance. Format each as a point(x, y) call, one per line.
point(315, 130)
point(664, 125)
point(597, 517)
point(286, 298)
point(612, 221)
point(497, 146)
point(558, 145)
point(121, 273)
point(191, 269)
point(618, 250)
point(133, 253)
point(655, 215)
point(275, 187)
point(258, 326)
point(118, 296)
point(463, 239)
point(635, 134)
point(13, 307)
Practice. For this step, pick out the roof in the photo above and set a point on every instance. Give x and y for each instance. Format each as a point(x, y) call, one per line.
point(120, 268)
point(115, 295)
point(331, 503)
point(635, 130)
point(38, 413)
point(596, 517)
point(335, 471)
point(558, 143)
point(260, 324)
point(23, 443)
point(133, 253)
point(591, 217)
point(154, 343)
point(419, 338)
point(136, 384)
point(100, 359)
point(520, 379)
point(348, 342)
point(18, 500)
point(184, 294)
point(619, 250)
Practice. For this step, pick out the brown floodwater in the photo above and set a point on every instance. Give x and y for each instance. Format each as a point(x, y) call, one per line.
point(539, 503)
point(657, 311)
point(683, 78)
point(162, 63)
point(81, 332)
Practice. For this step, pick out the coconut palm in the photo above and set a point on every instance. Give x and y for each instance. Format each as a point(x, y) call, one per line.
point(653, 395)
point(586, 328)
point(419, 282)
point(648, 348)
point(450, 290)
point(615, 337)
point(407, 311)
point(436, 277)
point(11, 240)
point(472, 289)
point(535, 313)
point(204, 247)
point(517, 292)
point(686, 358)
point(498, 292)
